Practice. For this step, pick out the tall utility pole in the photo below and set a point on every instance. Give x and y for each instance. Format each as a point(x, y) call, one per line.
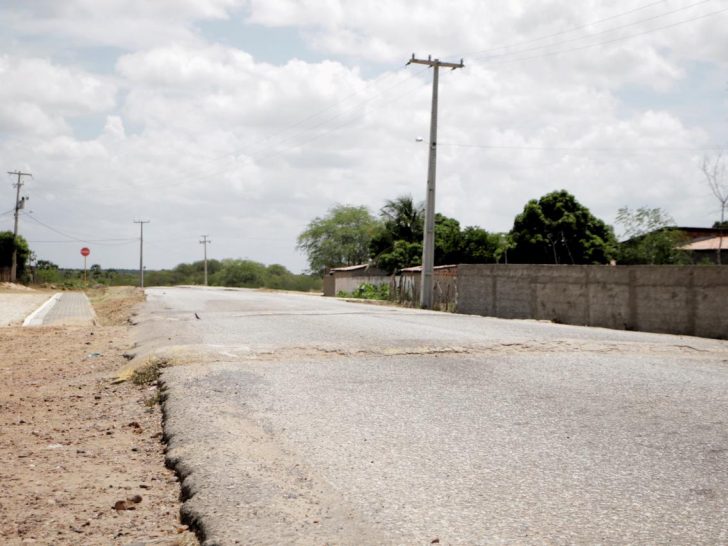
point(205, 242)
point(428, 247)
point(19, 204)
point(141, 250)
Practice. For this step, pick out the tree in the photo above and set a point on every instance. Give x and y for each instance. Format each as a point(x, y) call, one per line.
point(448, 240)
point(716, 175)
point(45, 265)
point(650, 238)
point(402, 254)
point(245, 273)
point(477, 246)
point(558, 229)
point(339, 238)
point(398, 241)
point(9, 243)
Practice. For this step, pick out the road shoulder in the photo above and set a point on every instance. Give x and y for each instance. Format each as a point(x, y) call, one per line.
point(84, 457)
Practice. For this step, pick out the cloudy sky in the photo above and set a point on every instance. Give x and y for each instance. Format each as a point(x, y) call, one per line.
point(245, 119)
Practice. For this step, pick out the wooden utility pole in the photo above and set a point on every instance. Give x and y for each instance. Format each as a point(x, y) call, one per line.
point(141, 250)
point(428, 247)
point(19, 204)
point(205, 241)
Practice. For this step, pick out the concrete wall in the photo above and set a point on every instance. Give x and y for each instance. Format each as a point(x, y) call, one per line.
point(690, 300)
point(350, 283)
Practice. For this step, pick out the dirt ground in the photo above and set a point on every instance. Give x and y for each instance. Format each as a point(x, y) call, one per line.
point(82, 457)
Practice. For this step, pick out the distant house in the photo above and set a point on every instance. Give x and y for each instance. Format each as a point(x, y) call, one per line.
point(700, 242)
point(700, 233)
point(703, 243)
point(706, 249)
point(348, 279)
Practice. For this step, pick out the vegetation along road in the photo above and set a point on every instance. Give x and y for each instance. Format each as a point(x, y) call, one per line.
point(299, 418)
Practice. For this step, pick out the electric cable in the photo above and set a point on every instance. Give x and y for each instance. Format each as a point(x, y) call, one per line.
point(606, 42)
point(586, 36)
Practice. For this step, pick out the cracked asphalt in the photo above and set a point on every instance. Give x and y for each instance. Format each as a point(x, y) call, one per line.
point(300, 419)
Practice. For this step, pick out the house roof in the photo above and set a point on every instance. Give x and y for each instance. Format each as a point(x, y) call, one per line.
point(350, 268)
point(710, 243)
point(693, 233)
point(417, 268)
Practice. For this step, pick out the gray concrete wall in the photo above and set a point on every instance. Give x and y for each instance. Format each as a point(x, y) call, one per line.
point(350, 283)
point(690, 300)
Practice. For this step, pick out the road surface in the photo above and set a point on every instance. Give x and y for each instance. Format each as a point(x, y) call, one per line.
point(301, 419)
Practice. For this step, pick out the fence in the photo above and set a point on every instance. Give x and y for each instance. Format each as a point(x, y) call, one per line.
point(691, 300)
point(405, 288)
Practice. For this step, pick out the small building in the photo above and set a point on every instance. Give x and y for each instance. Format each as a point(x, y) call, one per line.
point(705, 250)
point(347, 279)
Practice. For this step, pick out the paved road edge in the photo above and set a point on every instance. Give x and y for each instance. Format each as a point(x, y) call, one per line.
point(37, 316)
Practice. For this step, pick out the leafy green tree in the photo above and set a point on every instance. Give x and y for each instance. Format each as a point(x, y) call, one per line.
point(558, 229)
point(9, 243)
point(448, 240)
point(478, 246)
point(45, 265)
point(244, 273)
point(395, 244)
point(339, 238)
point(650, 239)
point(398, 243)
point(402, 254)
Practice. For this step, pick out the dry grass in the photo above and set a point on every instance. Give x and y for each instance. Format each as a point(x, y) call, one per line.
point(114, 304)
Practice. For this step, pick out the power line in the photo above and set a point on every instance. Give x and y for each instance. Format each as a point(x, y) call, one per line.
point(262, 145)
point(585, 149)
point(259, 154)
point(606, 42)
point(102, 242)
point(329, 119)
point(73, 238)
point(591, 35)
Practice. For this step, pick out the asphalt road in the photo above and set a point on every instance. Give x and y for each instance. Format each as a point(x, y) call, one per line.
point(299, 419)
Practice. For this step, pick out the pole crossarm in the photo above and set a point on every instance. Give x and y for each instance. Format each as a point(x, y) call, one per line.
point(435, 62)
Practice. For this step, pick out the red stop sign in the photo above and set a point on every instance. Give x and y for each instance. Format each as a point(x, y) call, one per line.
point(85, 251)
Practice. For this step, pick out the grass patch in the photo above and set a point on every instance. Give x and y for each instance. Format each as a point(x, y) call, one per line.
point(150, 372)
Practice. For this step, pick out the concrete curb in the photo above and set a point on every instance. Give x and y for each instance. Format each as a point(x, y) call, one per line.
point(37, 316)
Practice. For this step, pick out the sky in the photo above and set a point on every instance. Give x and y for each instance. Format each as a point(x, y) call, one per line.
point(244, 120)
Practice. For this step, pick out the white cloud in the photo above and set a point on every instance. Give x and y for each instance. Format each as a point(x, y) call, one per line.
point(127, 24)
point(205, 139)
point(38, 96)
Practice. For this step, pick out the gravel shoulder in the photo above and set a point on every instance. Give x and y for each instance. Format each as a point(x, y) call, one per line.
point(83, 456)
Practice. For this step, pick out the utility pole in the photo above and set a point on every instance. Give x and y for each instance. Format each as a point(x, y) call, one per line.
point(141, 250)
point(19, 204)
point(428, 247)
point(205, 242)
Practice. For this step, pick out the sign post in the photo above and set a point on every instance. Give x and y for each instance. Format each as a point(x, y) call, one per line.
point(84, 252)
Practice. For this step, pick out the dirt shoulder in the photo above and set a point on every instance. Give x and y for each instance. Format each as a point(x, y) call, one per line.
point(83, 460)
